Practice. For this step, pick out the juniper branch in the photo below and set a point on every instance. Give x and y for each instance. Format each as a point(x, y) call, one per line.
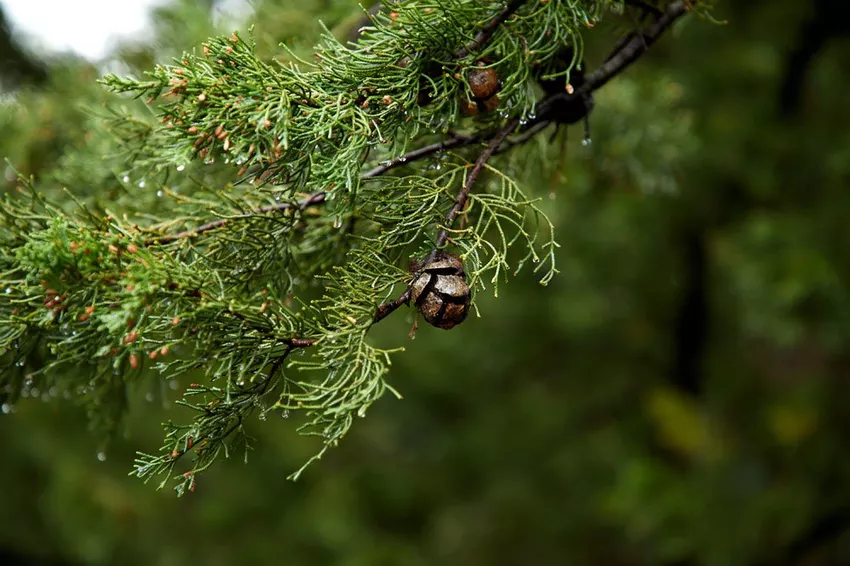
point(313, 131)
point(622, 57)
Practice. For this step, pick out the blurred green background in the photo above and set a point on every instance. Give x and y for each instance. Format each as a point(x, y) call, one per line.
point(678, 395)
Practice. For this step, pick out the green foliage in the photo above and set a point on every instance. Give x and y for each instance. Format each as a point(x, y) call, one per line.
point(260, 285)
point(554, 429)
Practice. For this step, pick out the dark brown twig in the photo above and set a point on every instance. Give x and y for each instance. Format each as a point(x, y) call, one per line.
point(463, 195)
point(634, 48)
point(387, 308)
point(624, 55)
point(312, 200)
point(458, 140)
point(487, 31)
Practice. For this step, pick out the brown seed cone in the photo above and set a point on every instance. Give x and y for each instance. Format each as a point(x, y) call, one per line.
point(440, 292)
point(483, 83)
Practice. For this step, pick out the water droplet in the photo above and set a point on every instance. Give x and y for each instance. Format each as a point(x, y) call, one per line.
point(101, 456)
point(142, 184)
point(6, 408)
point(173, 384)
point(159, 193)
point(285, 414)
point(262, 416)
point(337, 222)
point(8, 290)
point(126, 178)
point(586, 142)
point(181, 167)
point(552, 195)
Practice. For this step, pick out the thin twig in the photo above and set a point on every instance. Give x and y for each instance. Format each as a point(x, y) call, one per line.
point(529, 131)
point(458, 140)
point(312, 200)
point(387, 308)
point(487, 31)
point(633, 49)
point(623, 56)
point(463, 195)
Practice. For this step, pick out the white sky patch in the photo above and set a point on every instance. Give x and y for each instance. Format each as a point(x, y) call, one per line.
point(86, 27)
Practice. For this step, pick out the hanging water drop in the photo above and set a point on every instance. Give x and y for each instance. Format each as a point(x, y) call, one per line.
point(181, 167)
point(6, 408)
point(101, 456)
point(159, 193)
point(126, 178)
point(586, 142)
point(142, 184)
